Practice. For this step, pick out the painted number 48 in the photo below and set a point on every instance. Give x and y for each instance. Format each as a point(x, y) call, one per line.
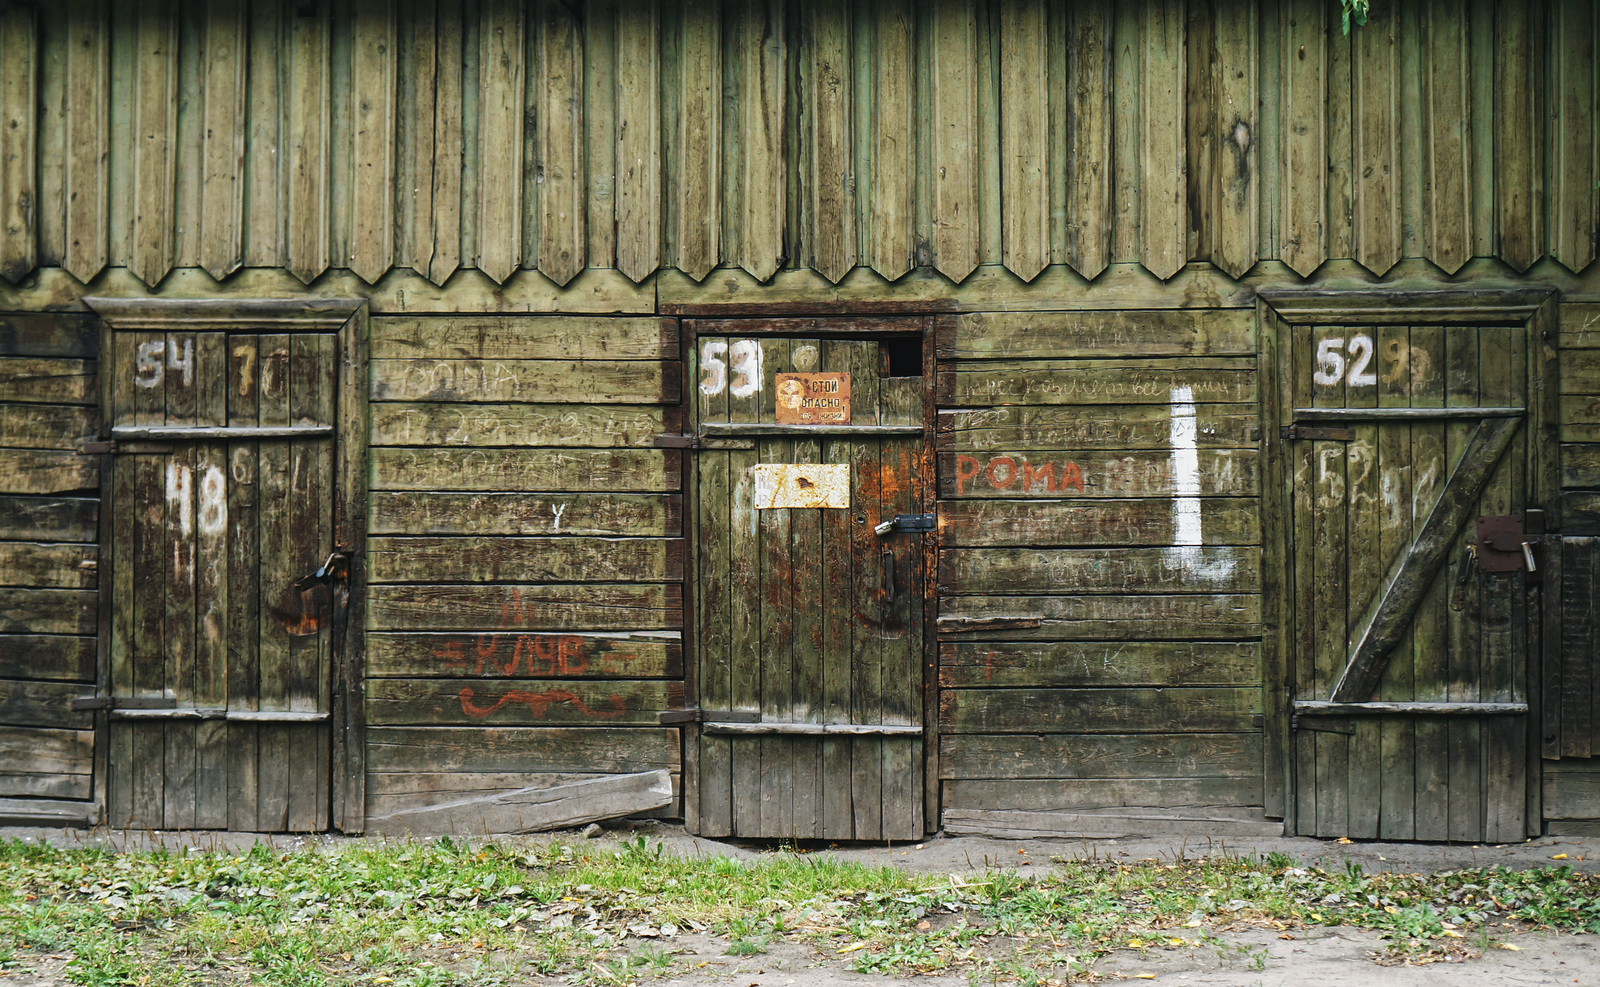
point(1331, 362)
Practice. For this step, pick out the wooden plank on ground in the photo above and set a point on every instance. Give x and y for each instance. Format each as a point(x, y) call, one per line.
point(530, 810)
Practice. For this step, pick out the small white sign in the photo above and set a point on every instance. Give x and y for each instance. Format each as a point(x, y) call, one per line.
point(801, 485)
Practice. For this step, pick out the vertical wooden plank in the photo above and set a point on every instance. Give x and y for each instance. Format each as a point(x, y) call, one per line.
point(211, 582)
point(601, 96)
point(1330, 579)
point(123, 530)
point(1519, 133)
point(1572, 170)
point(1337, 139)
point(867, 596)
point(501, 63)
point(372, 194)
point(1375, 135)
point(777, 577)
point(1462, 682)
point(243, 580)
point(900, 482)
point(1089, 119)
point(19, 192)
point(1447, 134)
point(561, 176)
point(1237, 204)
point(1430, 635)
point(155, 121)
point(87, 137)
point(1365, 568)
point(448, 127)
point(638, 109)
point(54, 40)
point(1578, 646)
point(1024, 93)
point(763, 90)
point(1163, 225)
point(305, 251)
point(275, 555)
point(263, 171)
point(1502, 631)
point(151, 549)
point(893, 139)
point(714, 534)
point(188, 152)
point(806, 556)
point(181, 753)
point(699, 197)
point(347, 407)
point(1201, 132)
point(1304, 129)
point(1549, 654)
point(1301, 661)
point(223, 139)
point(986, 138)
point(954, 125)
point(416, 77)
point(1397, 766)
point(837, 625)
point(744, 385)
point(833, 215)
point(1277, 605)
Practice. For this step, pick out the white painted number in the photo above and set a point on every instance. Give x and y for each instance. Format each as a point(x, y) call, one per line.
point(147, 368)
point(716, 377)
point(744, 362)
point(184, 363)
point(1331, 362)
point(213, 501)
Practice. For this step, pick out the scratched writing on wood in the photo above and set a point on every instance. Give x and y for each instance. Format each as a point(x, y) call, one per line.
point(1017, 473)
point(539, 703)
point(535, 655)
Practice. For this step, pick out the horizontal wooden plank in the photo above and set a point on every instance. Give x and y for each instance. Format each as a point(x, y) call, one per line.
point(390, 793)
point(67, 752)
point(56, 657)
point(534, 381)
point(448, 702)
point(47, 611)
point(50, 518)
point(535, 337)
point(991, 382)
point(1580, 464)
point(1572, 789)
point(1181, 569)
point(1148, 755)
point(1091, 473)
point(26, 703)
point(1056, 795)
point(1114, 822)
point(45, 785)
point(1148, 617)
point(1147, 710)
point(1216, 426)
point(1008, 335)
point(529, 655)
point(1580, 512)
point(610, 470)
point(1044, 523)
point(1580, 372)
point(39, 471)
point(48, 565)
point(48, 380)
point(476, 425)
point(522, 560)
point(533, 809)
point(71, 334)
point(508, 749)
point(997, 664)
point(46, 426)
point(496, 607)
point(655, 515)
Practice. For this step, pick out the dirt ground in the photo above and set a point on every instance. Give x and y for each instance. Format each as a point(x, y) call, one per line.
point(1252, 957)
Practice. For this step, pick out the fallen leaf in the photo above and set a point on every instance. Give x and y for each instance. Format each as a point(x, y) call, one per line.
point(1508, 945)
point(853, 947)
point(1286, 936)
point(1135, 944)
point(1176, 942)
point(1559, 856)
point(1453, 934)
point(1344, 839)
point(1144, 976)
point(924, 926)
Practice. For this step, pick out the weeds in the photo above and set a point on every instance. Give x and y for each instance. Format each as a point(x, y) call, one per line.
point(457, 913)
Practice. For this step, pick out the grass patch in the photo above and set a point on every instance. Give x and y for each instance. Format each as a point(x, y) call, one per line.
point(451, 912)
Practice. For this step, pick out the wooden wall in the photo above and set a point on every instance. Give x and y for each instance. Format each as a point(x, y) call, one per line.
point(1100, 568)
point(50, 503)
point(525, 554)
point(435, 136)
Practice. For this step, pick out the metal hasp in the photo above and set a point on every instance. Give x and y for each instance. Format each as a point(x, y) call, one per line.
point(1503, 545)
point(908, 522)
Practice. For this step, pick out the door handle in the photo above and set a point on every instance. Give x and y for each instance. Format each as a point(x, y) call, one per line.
point(888, 574)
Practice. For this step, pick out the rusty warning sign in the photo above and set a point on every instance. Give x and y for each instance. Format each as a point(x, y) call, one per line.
point(814, 399)
point(801, 485)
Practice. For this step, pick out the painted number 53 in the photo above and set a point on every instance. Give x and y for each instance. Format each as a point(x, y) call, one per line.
point(1331, 361)
point(743, 364)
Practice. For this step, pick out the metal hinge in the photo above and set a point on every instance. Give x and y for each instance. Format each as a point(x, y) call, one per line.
point(100, 447)
point(122, 702)
point(694, 714)
point(1296, 430)
point(675, 442)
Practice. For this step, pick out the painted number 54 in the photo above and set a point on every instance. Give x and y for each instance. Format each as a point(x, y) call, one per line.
point(1331, 362)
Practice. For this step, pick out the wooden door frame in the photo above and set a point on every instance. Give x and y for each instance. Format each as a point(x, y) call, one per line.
point(348, 318)
point(1277, 311)
point(694, 320)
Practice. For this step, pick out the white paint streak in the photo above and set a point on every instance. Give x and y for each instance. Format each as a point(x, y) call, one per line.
point(1187, 535)
point(180, 504)
point(557, 510)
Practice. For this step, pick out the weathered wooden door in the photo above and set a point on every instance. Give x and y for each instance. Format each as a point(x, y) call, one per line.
point(810, 597)
point(1409, 661)
point(222, 495)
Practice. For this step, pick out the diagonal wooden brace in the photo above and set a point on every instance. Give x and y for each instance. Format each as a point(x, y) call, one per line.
point(1386, 619)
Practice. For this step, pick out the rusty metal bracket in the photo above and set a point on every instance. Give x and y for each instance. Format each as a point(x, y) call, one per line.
point(1503, 546)
point(675, 442)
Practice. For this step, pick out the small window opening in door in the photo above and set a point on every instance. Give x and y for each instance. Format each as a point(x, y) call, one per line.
point(900, 356)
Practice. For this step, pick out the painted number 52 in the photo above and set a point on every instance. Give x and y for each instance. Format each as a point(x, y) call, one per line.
point(744, 364)
point(1331, 362)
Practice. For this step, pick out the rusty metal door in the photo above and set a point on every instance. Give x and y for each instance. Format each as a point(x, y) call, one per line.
point(1409, 460)
point(810, 597)
point(222, 636)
